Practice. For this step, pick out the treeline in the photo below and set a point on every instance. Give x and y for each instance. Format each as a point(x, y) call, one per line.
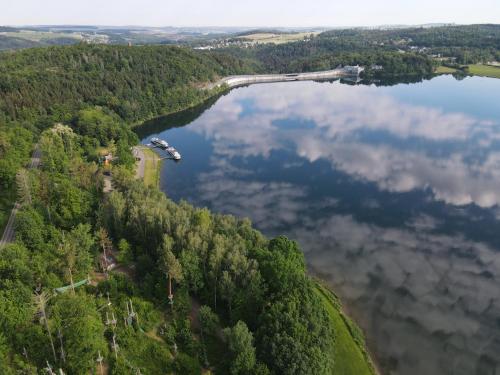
point(467, 43)
point(135, 82)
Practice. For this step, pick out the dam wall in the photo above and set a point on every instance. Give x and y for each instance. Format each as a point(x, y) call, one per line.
point(242, 80)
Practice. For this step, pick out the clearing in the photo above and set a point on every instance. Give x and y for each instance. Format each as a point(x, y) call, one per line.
point(445, 70)
point(262, 38)
point(484, 70)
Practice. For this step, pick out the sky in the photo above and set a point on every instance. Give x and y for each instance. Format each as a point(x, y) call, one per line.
point(254, 13)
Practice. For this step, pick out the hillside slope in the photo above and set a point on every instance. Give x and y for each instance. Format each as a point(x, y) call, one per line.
point(135, 82)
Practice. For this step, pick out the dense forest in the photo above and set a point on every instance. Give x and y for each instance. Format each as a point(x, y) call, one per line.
point(137, 83)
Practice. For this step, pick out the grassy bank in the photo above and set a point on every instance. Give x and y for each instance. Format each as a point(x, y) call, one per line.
point(484, 70)
point(350, 352)
point(473, 69)
point(152, 165)
point(444, 70)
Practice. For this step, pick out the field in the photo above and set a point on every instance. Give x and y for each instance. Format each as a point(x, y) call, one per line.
point(263, 38)
point(484, 70)
point(350, 354)
point(39, 36)
point(445, 70)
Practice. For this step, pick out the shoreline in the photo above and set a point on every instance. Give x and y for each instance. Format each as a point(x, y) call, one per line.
point(349, 313)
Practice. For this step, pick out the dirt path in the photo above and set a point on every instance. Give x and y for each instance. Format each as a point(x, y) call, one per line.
point(138, 153)
point(8, 233)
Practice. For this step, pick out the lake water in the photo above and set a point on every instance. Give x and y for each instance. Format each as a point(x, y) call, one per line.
point(393, 193)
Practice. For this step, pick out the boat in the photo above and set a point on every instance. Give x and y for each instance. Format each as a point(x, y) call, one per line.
point(165, 146)
point(159, 142)
point(174, 153)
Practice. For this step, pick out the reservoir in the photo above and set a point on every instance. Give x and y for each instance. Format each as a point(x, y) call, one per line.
point(392, 191)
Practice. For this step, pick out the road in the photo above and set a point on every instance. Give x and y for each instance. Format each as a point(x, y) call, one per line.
point(8, 233)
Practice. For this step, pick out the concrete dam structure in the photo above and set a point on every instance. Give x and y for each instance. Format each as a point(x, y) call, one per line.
point(235, 81)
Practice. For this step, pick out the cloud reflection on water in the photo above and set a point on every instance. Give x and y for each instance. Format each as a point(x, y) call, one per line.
point(338, 115)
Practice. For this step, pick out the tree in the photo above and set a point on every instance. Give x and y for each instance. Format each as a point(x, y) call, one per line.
point(282, 266)
point(23, 186)
point(30, 228)
point(209, 322)
point(77, 318)
point(40, 300)
point(106, 245)
point(295, 334)
point(4, 353)
point(215, 261)
point(228, 288)
point(240, 343)
point(169, 264)
point(192, 271)
point(125, 251)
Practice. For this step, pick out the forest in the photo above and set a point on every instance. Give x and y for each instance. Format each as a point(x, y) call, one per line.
point(43, 86)
point(193, 290)
point(137, 83)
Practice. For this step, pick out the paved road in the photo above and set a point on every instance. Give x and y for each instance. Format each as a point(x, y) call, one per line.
point(8, 233)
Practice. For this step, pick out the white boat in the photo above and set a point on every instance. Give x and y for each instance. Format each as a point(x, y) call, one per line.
point(159, 142)
point(165, 146)
point(174, 153)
